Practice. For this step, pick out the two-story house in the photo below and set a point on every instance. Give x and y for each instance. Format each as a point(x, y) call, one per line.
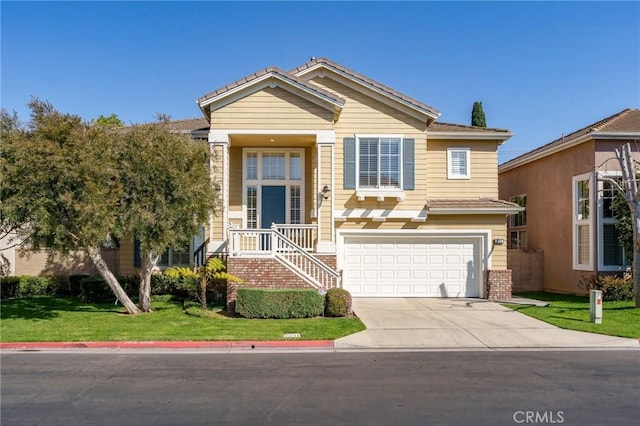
point(329, 178)
point(569, 217)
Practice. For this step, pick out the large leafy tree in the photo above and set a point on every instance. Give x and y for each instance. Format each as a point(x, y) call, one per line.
point(59, 186)
point(69, 185)
point(477, 115)
point(167, 192)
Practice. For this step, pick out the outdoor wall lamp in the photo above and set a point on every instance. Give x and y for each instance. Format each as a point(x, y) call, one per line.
point(325, 192)
point(498, 241)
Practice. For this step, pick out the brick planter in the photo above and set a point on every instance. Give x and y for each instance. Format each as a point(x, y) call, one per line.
point(498, 284)
point(264, 272)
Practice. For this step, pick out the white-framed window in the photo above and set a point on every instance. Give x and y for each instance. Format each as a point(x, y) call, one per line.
point(518, 225)
point(610, 252)
point(273, 167)
point(582, 222)
point(175, 257)
point(458, 163)
point(379, 164)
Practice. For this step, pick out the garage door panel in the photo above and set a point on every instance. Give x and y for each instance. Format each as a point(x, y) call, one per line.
point(420, 267)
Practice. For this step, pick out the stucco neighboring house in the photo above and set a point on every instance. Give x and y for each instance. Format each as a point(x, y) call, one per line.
point(329, 178)
point(15, 260)
point(568, 209)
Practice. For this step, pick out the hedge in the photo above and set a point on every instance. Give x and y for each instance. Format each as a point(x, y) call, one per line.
point(94, 289)
point(270, 303)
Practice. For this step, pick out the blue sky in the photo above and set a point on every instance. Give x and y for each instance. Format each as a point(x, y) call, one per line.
point(541, 69)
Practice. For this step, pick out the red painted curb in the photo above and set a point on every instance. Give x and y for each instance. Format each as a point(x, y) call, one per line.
point(224, 345)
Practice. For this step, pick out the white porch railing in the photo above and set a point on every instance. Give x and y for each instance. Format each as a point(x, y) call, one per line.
point(303, 235)
point(275, 243)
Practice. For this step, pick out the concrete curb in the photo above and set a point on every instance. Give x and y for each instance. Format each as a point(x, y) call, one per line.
point(209, 345)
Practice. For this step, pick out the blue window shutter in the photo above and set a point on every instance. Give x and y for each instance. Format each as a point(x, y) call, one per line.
point(349, 163)
point(408, 164)
point(137, 258)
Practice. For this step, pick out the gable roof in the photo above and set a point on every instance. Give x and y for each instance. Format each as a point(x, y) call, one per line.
point(297, 82)
point(277, 76)
point(623, 124)
point(380, 88)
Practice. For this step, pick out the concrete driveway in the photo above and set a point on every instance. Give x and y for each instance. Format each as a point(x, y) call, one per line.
point(420, 323)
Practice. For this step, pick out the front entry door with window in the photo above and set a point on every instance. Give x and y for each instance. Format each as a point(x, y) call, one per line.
point(273, 205)
point(273, 187)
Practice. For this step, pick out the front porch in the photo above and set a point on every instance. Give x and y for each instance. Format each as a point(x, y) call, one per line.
point(280, 257)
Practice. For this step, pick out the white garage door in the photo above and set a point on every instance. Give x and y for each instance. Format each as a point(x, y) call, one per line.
point(416, 267)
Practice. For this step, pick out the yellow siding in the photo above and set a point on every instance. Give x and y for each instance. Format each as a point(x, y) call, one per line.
point(272, 108)
point(363, 114)
point(310, 168)
point(235, 179)
point(325, 179)
point(496, 223)
point(484, 170)
point(126, 257)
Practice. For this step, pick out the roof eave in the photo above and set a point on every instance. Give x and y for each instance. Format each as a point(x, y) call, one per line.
point(474, 210)
point(430, 115)
point(483, 136)
point(207, 104)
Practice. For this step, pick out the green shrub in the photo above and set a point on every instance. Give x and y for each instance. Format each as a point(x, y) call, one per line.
point(73, 288)
point(9, 287)
point(337, 303)
point(33, 286)
point(613, 287)
point(94, 288)
point(182, 287)
point(269, 303)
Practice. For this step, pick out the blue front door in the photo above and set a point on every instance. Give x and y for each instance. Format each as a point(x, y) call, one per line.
point(273, 205)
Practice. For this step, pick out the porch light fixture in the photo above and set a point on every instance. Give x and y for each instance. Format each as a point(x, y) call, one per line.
point(325, 192)
point(498, 241)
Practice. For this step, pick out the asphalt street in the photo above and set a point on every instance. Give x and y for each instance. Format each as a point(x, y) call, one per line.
point(368, 388)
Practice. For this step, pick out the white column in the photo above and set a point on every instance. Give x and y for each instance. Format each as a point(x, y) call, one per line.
point(220, 139)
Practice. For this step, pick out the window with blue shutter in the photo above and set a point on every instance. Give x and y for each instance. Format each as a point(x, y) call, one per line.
point(349, 163)
point(408, 164)
point(379, 163)
point(137, 257)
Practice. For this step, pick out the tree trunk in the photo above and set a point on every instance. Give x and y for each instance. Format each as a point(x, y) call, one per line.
point(149, 261)
point(203, 289)
point(112, 281)
point(635, 211)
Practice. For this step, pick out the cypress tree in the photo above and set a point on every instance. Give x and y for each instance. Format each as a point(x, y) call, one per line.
point(477, 115)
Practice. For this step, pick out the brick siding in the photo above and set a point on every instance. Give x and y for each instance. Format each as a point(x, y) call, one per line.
point(265, 273)
point(498, 284)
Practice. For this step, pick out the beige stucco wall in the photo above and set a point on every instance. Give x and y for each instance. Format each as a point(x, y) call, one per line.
point(548, 184)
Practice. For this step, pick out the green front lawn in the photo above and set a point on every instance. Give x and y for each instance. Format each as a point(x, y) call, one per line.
point(572, 312)
point(55, 319)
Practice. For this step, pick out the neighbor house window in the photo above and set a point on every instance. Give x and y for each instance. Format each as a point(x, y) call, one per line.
point(518, 225)
point(582, 223)
point(611, 253)
point(458, 163)
point(379, 162)
point(175, 257)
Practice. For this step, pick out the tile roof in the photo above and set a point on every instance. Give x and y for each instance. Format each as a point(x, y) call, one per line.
point(277, 71)
point(387, 90)
point(473, 203)
point(625, 121)
point(451, 127)
point(189, 125)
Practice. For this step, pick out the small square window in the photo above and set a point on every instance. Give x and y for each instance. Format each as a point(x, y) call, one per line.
point(458, 163)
